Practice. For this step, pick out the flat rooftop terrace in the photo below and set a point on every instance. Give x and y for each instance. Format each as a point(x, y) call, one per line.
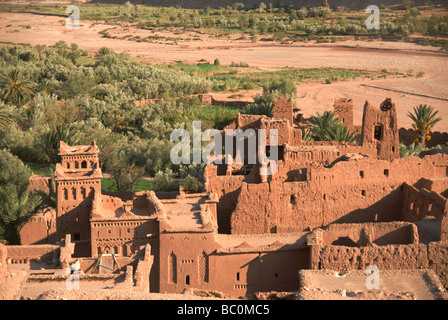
point(351, 285)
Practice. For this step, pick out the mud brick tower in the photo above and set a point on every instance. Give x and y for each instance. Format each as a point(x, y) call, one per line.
point(380, 127)
point(78, 178)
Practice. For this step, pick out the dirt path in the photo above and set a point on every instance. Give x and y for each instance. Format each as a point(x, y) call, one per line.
point(375, 55)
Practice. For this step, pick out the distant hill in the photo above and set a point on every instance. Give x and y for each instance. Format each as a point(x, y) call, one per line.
point(250, 4)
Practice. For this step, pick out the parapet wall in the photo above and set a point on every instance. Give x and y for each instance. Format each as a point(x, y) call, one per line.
point(390, 257)
point(417, 204)
point(363, 234)
point(24, 253)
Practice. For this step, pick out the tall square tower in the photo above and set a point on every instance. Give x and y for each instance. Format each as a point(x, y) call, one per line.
point(78, 178)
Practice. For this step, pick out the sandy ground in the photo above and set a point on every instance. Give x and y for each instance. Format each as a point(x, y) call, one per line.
point(93, 290)
point(311, 98)
point(393, 285)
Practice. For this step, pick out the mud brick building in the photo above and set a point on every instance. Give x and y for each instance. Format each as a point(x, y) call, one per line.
point(329, 206)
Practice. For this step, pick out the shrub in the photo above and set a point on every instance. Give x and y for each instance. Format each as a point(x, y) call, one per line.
point(164, 181)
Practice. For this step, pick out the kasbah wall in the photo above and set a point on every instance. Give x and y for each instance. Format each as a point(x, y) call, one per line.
point(329, 206)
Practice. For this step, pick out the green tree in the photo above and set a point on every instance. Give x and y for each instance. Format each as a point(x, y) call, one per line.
point(5, 116)
point(12, 170)
point(281, 88)
point(320, 124)
point(408, 4)
point(327, 127)
point(51, 139)
point(263, 105)
point(192, 184)
point(15, 87)
point(165, 181)
point(17, 204)
point(302, 13)
point(125, 173)
point(425, 118)
point(341, 133)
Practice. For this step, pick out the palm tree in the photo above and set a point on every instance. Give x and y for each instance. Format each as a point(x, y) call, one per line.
point(16, 88)
point(341, 133)
point(327, 127)
point(263, 105)
point(17, 205)
point(425, 119)
point(5, 117)
point(51, 139)
point(320, 125)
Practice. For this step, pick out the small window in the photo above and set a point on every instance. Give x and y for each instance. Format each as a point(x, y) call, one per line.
point(65, 194)
point(268, 151)
point(324, 196)
point(386, 172)
point(84, 164)
point(237, 276)
point(378, 134)
point(68, 165)
point(187, 280)
point(76, 237)
point(293, 199)
point(276, 275)
point(83, 193)
point(109, 231)
point(363, 193)
point(361, 174)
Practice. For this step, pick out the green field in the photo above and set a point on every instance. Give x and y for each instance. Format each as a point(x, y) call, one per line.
point(231, 78)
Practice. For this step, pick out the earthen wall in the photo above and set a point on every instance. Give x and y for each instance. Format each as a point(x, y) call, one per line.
point(25, 253)
point(389, 257)
point(351, 191)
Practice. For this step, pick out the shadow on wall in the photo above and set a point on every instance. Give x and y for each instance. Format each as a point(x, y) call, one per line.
point(386, 209)
point(225, 207)
point(275, 271)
